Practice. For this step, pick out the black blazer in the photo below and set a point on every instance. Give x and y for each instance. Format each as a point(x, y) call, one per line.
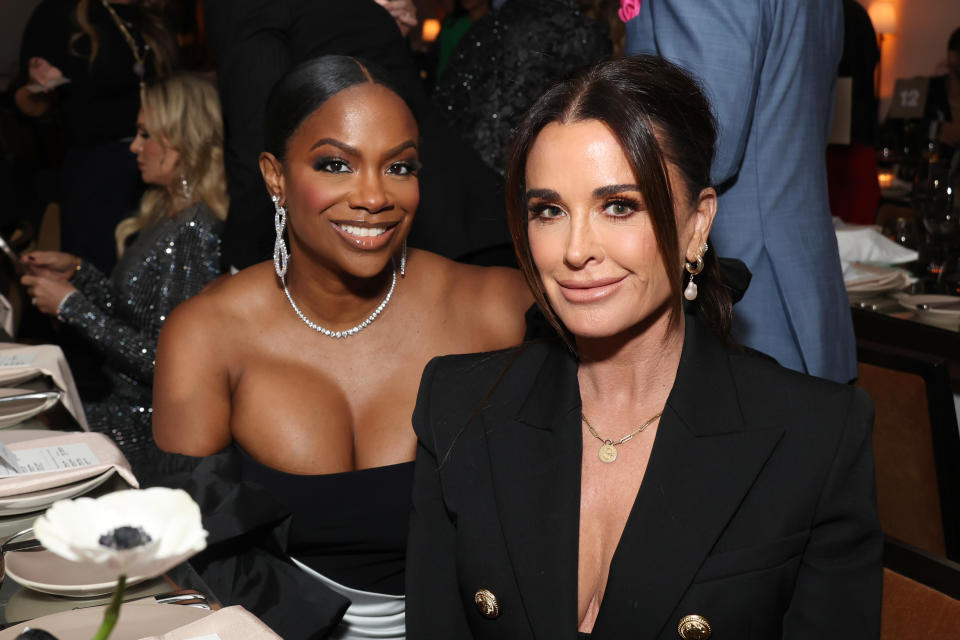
point(757, 511)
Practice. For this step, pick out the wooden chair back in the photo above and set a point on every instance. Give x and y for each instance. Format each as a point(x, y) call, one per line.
point(920, 595)
point(916, 447)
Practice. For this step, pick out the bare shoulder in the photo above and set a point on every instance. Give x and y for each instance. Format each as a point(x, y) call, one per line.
point(492, 298)
point(229, 298)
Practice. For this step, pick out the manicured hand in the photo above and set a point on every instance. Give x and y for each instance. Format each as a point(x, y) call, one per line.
point(51, 264)
point(46, 293)
point(404, 12)
point(44, 74)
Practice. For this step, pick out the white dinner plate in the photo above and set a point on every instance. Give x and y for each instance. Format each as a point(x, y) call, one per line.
point(37, 500)
point(944, 305)
point(941, 311)
point(46, 572)
point(27, 604)
point(15, 412)
point(137, 620)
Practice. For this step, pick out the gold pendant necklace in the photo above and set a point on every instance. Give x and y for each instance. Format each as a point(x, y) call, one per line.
point(608, 450)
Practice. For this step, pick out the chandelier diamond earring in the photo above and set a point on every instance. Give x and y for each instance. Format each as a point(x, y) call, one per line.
point(280, 256)
point(690, 293)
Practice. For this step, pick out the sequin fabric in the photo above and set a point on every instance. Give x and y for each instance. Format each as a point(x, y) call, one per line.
point(505, 61)
point(169, 262)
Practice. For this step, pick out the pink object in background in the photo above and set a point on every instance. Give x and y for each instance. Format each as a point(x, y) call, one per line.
point(629, 9)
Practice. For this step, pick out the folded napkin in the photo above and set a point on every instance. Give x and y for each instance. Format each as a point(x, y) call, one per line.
point(868, 277)
point(96, 453)
point(231, 623)
point(863, 243)
point(17, 361)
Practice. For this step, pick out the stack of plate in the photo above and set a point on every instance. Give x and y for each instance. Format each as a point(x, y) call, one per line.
point(39, 500)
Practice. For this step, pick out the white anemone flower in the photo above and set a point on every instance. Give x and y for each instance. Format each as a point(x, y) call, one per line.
point(140, 533)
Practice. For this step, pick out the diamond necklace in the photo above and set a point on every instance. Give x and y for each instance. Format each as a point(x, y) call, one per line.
point(352, 331)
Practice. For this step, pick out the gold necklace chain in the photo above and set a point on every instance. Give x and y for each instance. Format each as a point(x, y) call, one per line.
point(608, 450)
point(138, 67)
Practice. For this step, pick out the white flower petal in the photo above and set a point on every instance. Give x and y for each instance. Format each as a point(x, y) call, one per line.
point(72, 529)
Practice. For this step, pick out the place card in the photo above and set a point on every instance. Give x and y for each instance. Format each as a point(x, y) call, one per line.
point(17, 360)
point(59, 457)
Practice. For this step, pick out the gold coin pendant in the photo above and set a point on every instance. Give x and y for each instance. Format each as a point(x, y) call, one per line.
point(608, 453)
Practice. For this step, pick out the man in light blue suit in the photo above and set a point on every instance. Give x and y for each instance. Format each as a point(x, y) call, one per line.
point(769, 68)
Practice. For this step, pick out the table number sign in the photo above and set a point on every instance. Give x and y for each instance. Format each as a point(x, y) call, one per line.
point(909, 98)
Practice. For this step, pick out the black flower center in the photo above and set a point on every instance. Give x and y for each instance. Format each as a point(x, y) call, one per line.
point(35, 634)
point(125, 538)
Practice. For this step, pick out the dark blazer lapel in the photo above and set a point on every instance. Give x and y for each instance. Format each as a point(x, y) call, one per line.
point(535, 464)
point(703, 462)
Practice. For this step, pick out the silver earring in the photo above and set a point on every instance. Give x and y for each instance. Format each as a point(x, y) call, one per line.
point(185, 187)
point(403, 259)
point(280, 256)
point(690, 293)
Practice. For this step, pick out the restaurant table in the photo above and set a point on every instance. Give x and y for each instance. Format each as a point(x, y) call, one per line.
point(19, 604)
point(883, 321)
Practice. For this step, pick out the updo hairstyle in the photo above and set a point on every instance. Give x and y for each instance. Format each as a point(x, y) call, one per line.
point(306, 87)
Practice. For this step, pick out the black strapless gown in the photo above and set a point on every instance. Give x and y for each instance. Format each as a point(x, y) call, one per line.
point(351, 527)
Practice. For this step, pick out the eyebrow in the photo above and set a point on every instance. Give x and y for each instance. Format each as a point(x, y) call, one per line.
point(543, 194)
point(599, 192)
point(610, 189)
point(335, 143)
point(409, 144)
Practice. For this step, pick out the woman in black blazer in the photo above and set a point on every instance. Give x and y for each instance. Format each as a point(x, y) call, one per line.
point(638, 477)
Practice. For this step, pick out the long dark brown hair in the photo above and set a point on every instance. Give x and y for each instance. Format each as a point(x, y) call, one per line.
point(148, 22)
point(659, 115)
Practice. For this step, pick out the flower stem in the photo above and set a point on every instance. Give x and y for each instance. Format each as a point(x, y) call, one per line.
point(113, 611)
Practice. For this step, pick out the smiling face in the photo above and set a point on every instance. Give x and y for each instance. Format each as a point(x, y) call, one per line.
point(349, 180)
point(591, 238)
point(159, 164)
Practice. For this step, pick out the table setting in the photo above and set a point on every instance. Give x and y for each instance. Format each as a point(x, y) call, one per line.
point(84, 552)
point(892, 271)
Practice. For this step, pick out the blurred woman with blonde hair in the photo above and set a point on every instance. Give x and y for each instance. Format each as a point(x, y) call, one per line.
point(168, 251)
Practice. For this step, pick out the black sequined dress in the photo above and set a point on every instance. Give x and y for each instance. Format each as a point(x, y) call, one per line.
point(506, 60)
point(168, 262)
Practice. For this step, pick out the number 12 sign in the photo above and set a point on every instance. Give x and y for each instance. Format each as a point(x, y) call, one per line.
point(909, 98)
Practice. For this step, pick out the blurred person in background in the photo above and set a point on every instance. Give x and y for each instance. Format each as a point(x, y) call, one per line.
point(943, 99)
point(770, 73)
point(456, 25)
point(506, 60)
point(88, 58)
point(852, 168)
point(168, 252)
